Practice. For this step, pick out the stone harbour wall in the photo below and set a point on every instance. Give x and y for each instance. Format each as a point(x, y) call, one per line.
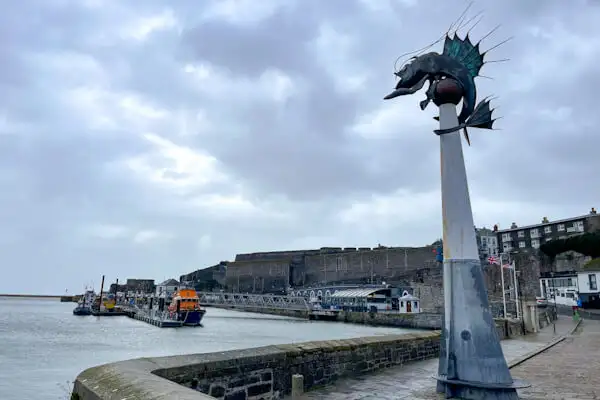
point(270, 311)
point(417, 321)
point(268, 374)
point(424, 320)
point(259, 373)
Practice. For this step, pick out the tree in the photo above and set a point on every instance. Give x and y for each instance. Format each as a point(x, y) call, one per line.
point(587, 244)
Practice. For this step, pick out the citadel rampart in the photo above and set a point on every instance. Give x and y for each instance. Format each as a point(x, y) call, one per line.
point(276, 271)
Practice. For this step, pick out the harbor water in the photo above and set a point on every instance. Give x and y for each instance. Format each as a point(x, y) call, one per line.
point(43, 346)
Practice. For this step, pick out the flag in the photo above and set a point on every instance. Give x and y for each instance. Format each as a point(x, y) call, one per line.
point(492, 260)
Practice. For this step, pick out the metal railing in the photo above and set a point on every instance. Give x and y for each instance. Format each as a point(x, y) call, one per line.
point(155, 313)
point(254, 300)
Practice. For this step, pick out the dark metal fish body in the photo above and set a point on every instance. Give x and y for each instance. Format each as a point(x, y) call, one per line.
point(461, 61)
point(432, 67)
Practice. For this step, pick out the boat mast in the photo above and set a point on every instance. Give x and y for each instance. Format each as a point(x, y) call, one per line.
point(101, 291)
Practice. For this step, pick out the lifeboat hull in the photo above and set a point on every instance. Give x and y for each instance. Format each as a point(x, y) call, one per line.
point(191, 318)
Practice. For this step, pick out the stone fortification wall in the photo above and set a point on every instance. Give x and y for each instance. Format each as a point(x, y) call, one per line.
point(265, 276)
point(264, 372)
point(274, 255)
point(391, 265)
point(276, 271)
point(403, 267)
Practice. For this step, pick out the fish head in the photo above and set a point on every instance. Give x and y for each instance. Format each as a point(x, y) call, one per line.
point(409, 76)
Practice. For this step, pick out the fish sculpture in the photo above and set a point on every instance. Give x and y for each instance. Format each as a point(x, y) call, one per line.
point(461, 61)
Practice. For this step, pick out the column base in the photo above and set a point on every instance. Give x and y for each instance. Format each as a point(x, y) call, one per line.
point(479, 391)
point(472, 365)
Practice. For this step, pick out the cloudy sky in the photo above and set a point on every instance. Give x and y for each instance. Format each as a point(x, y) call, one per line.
point(150, 138)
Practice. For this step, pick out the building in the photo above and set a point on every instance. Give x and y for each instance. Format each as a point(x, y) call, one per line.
point(487, 242)
point(565, 287)
point(382, 299)
point(206, 279)
point(533, 236)
point(560, 287)
point(278, 271)
point(140, 286)
point(587, 282)
point(167, 288)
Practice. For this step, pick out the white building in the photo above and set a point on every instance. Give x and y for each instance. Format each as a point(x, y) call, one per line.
point(409, 304)
point(167, 288)
point(561, 289)
point(566, 287)
point(588, 288)
point(487, 241)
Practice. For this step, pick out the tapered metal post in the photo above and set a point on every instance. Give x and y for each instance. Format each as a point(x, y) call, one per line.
point(472, 364)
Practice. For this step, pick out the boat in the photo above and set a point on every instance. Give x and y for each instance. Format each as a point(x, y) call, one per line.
point(185, 307)
point(82, 309)
point(84, 305)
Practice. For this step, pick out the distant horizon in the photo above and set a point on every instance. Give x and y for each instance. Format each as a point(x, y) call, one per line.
point(32, 295)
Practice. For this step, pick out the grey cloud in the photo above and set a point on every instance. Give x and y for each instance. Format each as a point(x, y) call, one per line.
point(59, 176)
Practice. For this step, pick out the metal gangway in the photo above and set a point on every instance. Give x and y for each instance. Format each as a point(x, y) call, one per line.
point(266, 301)
point(154, 313)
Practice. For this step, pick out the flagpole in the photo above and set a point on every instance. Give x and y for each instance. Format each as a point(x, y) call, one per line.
point(514, 266)
point(503, 292)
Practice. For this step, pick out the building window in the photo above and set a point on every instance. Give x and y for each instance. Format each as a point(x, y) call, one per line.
point(535, 243)
point(521, 234)
point(507, 247)
point(534, 233)
point(592, 281)
point(547, 229)
point(521, 245)
point(506, 237)
point(560, 227)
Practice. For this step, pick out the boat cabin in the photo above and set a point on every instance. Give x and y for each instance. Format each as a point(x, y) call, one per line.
point(185, 299)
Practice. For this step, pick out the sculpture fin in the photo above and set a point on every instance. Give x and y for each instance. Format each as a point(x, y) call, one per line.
point(464, 52)
point(467, 136)
point(481, 118)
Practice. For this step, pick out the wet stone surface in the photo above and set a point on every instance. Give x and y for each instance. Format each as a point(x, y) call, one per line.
point(412, 381)
point(567, 371)
point(416, 380)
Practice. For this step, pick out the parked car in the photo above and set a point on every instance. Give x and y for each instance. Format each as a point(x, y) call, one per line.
point(541, 301)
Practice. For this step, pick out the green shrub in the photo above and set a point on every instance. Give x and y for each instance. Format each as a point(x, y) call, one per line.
point(587, 244)
point(592, 265)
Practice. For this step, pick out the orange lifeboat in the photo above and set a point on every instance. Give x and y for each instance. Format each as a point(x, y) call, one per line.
point(185, 307)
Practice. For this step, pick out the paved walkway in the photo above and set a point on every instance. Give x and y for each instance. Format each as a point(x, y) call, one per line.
point(415, 380)
point(567, 371)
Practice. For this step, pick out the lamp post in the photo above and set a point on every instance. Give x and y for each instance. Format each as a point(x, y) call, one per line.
point(554, 296)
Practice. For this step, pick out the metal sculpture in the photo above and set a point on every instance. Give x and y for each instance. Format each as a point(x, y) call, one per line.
point(472, 363)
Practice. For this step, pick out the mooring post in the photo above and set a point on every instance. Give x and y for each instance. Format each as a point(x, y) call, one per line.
point(297, 386)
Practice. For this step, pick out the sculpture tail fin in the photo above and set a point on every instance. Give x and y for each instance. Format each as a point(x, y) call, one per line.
point(480, 118)
point(467, 136)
